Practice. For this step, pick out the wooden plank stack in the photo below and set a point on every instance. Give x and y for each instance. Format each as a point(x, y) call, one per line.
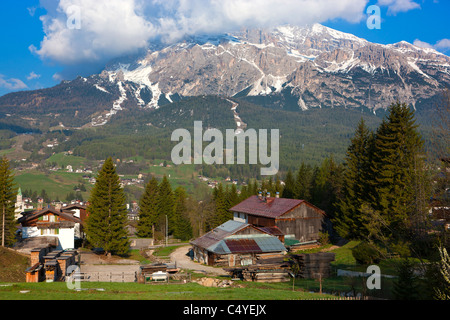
point(314, 265)
point(273, 269)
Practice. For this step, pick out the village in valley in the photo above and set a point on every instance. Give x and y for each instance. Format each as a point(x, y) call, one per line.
point(268, 239)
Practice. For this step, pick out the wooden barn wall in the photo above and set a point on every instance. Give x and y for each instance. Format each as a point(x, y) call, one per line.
point(304, 222)
point(261, 221)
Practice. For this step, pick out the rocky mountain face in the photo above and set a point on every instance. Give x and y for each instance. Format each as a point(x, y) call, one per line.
point(291, 67)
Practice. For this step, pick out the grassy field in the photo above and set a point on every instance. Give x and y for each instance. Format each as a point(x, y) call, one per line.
point(135, 291)
point(63, 161)
point(56, 184)
point(301, 289)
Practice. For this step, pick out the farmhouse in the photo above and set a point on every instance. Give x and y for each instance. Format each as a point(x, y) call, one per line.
point(296, 219)
point(60, 223)
point(235, 243)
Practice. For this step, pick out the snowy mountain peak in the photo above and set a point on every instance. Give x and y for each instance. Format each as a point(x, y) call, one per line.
point(287, 66)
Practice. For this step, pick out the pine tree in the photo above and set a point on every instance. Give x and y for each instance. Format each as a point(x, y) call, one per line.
point(106, 224)
point(327, 185)
point(8, 196)
point(289, 187)
point(302, 189)
point(244, 194)
point(349, 221)
point(148, 214)
point(221, 212)
point(166, 204)
point(406, 285)
point(183, 227)
point(232, 196)
point(396, 163)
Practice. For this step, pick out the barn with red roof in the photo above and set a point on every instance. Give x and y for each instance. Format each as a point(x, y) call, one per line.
point(297, 219)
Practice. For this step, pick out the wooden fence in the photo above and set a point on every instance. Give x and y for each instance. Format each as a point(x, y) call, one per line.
point(124, 277)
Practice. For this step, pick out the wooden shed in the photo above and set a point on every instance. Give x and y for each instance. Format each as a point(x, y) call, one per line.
point(235, 243)
point(295, 218)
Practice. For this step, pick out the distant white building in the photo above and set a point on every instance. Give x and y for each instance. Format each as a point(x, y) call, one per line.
point(20, 205)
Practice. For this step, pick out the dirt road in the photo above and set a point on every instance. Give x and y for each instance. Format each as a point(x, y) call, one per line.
point(183, 261)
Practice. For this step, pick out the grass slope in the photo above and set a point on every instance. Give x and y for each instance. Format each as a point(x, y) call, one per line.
point(12, 266)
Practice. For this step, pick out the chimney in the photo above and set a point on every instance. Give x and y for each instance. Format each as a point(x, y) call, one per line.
point(260, 195)
point(278, 195)
point(268, 194)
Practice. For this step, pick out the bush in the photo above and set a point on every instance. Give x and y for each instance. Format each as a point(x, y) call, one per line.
point(366, 253)
point(324, 238)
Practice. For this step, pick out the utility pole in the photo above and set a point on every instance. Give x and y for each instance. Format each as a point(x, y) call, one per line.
point(167, 229)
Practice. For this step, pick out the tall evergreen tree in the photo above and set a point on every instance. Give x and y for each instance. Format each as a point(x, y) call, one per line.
point(327, 186)
point(232, 196)
point(221, 209)
point(166, 204)
point(8, 196)
point(303, 180)
point(183, 227)
point(148, 213)
point(349, 221)
point(106, 224)
point(289, 187)
point(396, 163)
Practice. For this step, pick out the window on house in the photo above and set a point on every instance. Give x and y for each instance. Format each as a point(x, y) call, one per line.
point(311, 229)
point(52, 218)
point(45, 218)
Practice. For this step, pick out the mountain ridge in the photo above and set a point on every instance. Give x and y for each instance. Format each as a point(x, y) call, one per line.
point(289, 67)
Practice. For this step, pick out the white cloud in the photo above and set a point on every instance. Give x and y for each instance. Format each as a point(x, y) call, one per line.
point(442, 45)
point(33, 75)
point(422, 44)
point(396, 6)
point(194, 16)
point(12, 84)
point(110, 28)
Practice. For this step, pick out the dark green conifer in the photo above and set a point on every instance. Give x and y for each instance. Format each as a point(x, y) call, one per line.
point(106, 224)
point(8, 197)
point(148, 214)
point(349, 221)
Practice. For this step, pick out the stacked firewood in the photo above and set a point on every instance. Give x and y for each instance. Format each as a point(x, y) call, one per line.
point(314, 265)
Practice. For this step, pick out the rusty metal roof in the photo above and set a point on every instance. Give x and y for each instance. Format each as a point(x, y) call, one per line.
point(275, 231)
point(222, 240)
point(242, 246)
point(270, 208)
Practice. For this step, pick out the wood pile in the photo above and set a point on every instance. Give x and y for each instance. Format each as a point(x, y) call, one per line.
point(314, 265)
point(274, 269)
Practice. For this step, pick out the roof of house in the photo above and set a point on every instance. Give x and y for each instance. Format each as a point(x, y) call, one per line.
point(268, 207)
point(275, 231)
point(36, 214)
point(222, 240)
point(74, 206)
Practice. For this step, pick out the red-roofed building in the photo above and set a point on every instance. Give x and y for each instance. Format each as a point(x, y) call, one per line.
point(294, 218)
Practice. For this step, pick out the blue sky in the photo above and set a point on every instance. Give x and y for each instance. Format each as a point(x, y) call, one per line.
point(37, 50)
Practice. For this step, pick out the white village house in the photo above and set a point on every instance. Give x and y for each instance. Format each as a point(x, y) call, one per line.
point(65, 224)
